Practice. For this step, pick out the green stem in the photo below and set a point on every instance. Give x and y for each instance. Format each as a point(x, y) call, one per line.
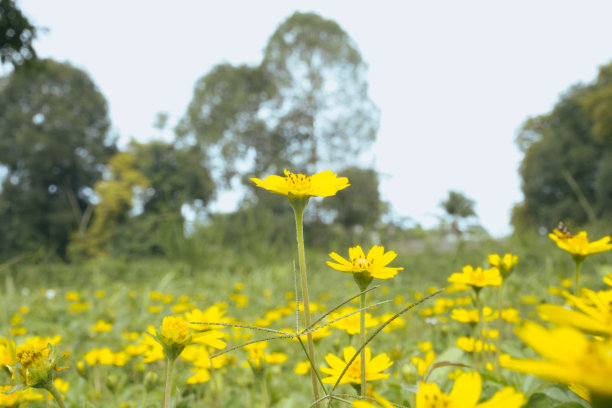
point(578, 263)
point(56, 394)
point(168, 386)
point(299, 226)
point(362, 305)
point(499, 322)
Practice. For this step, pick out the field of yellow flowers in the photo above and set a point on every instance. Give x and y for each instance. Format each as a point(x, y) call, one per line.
point(355, 327)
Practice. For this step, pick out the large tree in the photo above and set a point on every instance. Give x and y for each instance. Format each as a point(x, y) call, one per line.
point(305, 106)
point(16, 35)
point(54, 144)
point(566, 168)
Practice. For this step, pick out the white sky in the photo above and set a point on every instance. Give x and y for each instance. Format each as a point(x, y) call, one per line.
point(454, 80)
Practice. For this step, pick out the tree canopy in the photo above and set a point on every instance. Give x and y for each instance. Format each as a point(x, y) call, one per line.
point(567, 160)
point(54, 144)
point(305, 106)
point(16, 35)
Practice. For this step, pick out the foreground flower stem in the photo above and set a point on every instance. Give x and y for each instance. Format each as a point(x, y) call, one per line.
point(578, 263)
point(499, 322)
point(168, 387)
point(299, 204)
point(49, 386)
point(362, 305)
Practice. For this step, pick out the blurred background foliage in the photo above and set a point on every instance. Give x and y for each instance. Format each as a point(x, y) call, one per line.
point(70, 193)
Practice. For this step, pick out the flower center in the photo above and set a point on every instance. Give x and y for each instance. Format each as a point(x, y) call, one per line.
point(361, 263)
point(354, 370)
point(297, 182)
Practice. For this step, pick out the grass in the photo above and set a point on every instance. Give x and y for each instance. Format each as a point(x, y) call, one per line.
point(120, 292)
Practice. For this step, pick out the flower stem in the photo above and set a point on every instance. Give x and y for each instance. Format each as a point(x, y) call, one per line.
point(299, 226)
point(56, 394)
point(168, 386)
point(499, 322)
point(362, 301)
point(578, 263)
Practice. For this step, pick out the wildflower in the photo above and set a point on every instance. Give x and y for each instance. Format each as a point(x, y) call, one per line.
point(471, 345)
point(578, 245)
point(593, 315)
point(323, 184)
point(570, 357)
point(374, 367)
point(34, 366)
point(395, 324)
point(477, 278)
point(79, 306)
point(505, 264)
point(350, 323)
point(102, 326)
point(423, 364)
point(373, 265)
point(257, 354)
point(213, 314)
point(302, 368)
point(465, 394)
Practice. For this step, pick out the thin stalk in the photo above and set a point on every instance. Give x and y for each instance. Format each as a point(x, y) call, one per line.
point(499, 322)
point(299, 226)
point(578, 263)
point(168, 386)
point(362, 301)
point(56, 394)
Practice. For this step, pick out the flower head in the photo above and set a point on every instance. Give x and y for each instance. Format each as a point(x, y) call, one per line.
point(373, 265)
point(35, 366)
point(477, 278)
point(578, 245)
point(323, 184)
point(465, 394)
point(374, 367)
point(505, 264)
point(570, 357)
point(175, 334)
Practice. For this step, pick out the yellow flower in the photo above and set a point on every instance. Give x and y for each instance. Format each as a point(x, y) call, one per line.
point(571, 357)
point(465, 394)
point(471, 345)
point(478, 277)
point(302, 368)
point(374, 367)
point(350, 323)
point(465, 315)
point(593, 315)
point(323, 184)
point(257, 354)
point(380, 401)
point(35, 366)
point(578, 245)
point(374, 265)
point(505, 264)
point(423, 364)
point(102, 326)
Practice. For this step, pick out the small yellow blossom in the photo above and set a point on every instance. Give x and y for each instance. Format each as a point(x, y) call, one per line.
point(478, 277)
point(423, 363)
point(79, 306)
point(323, 184)
point(578, 245)
point(350, 323)
point(505, 264)
point(374, 367)
point(374, 264)
point(101, 326)
point(72, 296)
point(302, 368)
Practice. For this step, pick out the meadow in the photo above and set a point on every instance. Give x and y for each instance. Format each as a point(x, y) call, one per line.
point(98, 313)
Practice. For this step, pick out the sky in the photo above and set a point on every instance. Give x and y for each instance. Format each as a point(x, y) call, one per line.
point(454, 80)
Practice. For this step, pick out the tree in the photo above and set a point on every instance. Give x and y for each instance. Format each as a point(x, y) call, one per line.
point(54, 145)
point(457, 207)
point(565, 169)
point(16, 35)
point(305, 106)
point(177, 177)
point(321, 106)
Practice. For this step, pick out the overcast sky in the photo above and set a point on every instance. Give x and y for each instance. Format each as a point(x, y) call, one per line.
point(454, 80)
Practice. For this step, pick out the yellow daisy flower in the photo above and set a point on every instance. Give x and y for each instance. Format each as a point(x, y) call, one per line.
point(465, 394)
point(375, 264)
point(505, 264)
point(478, 277)
point(374, 367)
point(323, 184)
point(570, 357)
point(578, 245)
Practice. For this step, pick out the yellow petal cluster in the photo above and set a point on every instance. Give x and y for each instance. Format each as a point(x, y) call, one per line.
point(374, 264)
point(374, 367)
point(477, 277)
point(465, 394)
point(323, 184)
point(570, 357)
point(578, 245)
